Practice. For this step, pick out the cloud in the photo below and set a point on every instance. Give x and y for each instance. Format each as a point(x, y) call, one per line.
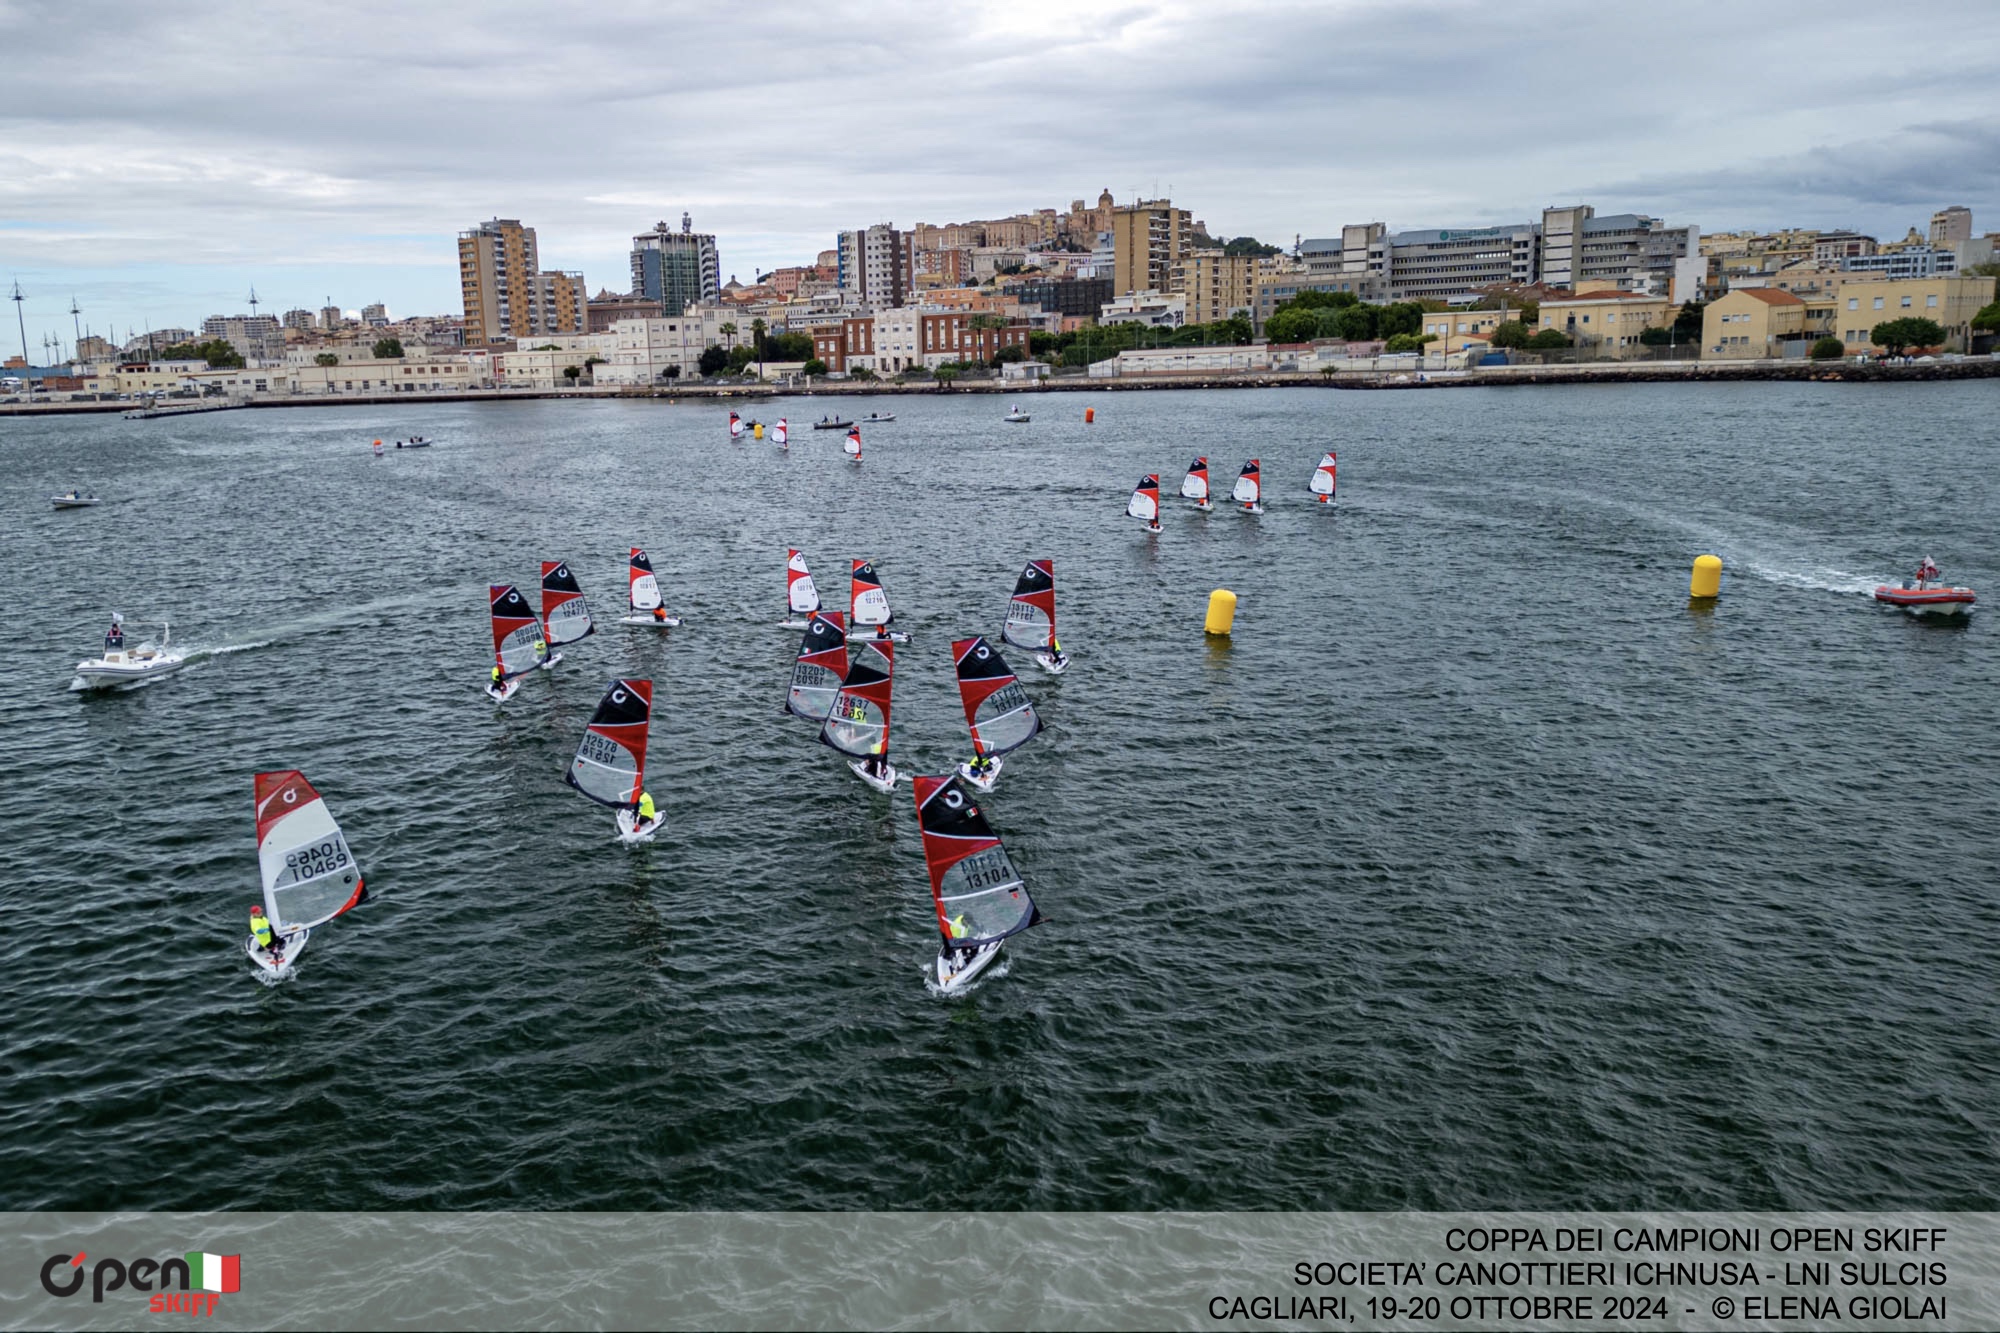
point(303, 148)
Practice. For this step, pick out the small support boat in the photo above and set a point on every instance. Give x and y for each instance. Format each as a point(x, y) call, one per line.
point(876, 417)
point(832, 423)
point(1927, 594)
point(120, 666)
point(73, 500)
point(1015, 414)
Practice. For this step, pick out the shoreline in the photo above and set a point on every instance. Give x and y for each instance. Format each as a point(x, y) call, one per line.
point(1614, 372)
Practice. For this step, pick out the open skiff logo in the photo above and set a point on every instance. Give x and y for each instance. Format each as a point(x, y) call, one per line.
point(190, 1283)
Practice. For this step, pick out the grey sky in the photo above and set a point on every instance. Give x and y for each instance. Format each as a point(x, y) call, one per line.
point(159, 163)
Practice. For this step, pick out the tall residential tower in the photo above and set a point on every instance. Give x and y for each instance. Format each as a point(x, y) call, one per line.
point(507, 296)
point(676, 268)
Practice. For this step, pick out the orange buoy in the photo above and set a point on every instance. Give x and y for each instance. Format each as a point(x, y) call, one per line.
point(1089, 415)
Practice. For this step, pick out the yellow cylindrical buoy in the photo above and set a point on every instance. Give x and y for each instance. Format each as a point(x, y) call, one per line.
point(1221, 613)
point(1089, 415)
point(757, 431)
point(1707, 578)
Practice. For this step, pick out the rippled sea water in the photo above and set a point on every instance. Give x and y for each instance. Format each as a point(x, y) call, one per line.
point(1477, 870)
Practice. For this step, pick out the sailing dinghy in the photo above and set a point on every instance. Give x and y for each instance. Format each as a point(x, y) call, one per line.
point(821, 668)
point(1324, 477)
point(518, 646)
point(1249, 488)
point(852, 447)
point(868, 605)
point(1145, 502)
point(309, 875)
point(1031, 616)
point(610, 764)
point(642, 594)
point(565, 615)
point(979, 896)
point(997, 710)
point(858, 722)
point(1194, 486)
point(735, 427)
point(800, 593)
point(782, 434)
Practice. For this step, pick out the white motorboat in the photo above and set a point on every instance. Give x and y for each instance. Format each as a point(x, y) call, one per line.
point(120, 666)
point(74, 500)
point(1015, 414)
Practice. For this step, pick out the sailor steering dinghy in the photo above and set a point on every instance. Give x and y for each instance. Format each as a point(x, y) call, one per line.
point(1325, 477)
point(1031, 616)
point(642, 594)
point(821, 668)
point(1145, 502)
point(979, 896)
point(868, 605)
point(565, 615)
point(1249, 490)
point(800, 593)
point(610, 764)
point(1194, 486)
point(309, 875)
point(858, 722)
point(518, 646)
point(997, 710)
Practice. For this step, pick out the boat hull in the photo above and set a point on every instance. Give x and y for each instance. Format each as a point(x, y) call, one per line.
point(102, 674)
point(505, 690)
point(669, 623)
point(1928, 601)
point(985, 783)
point(884, 785)
point(275, 965)
point(631, 832)
point(952, 978)
point(1055, 666)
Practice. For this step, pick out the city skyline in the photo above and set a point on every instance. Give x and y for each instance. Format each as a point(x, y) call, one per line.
point(188, 175)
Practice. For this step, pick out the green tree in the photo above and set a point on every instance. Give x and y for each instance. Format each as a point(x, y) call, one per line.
point(713, 359)
point(1828, 349)
point(1548, 340)
point(986, 321)
point(671, 373)
point(814, 366)
point(1687, 322)
point(1406, 342)
point(1659, 335)
point(787, 346)
point(1511, 333)
point(1292, 326)
point(729, 331)
point(944, 375)
point(572, 374)
point(1007, 354)
point(1988, 319)
point(1402, 317)
point(216, 351)
point(1249, 245)
point(757, 336)
point(326, 359)
point(1897, 334)
point(387, 349)
point(740, 357)
point(1355, 323)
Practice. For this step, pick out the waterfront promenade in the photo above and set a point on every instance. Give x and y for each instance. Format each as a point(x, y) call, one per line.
point(1606, 372)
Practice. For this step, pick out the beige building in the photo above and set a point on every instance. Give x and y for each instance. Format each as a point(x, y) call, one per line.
point(1147, 241)
point(1751, 322)
point(507, 296)
point(1607, 323)
point(1455, 329)
point(1216, 285)
point(406, 375)
point(1860, 305)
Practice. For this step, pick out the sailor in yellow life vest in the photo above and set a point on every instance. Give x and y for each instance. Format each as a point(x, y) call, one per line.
point(647, 811)
point(958, 930)
point(541, 649)
point(260, 930)
point(497, 682)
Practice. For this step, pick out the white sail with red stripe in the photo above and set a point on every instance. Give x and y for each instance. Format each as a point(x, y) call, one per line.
point(1145, 502)
point(978, 895)
point(565, 614)
point(1194, 486)
point(1249, 488)
point(1324, 477)
point(852, 447)
point(309, 874)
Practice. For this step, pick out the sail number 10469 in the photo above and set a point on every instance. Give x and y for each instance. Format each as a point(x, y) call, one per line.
point(320, 858)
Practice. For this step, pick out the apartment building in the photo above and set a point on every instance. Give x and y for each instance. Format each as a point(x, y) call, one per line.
point(1147, 241)
point(676, 268)
point(258, 337)
point(873, 265)
point(1217, 285)
point(1951, 226)
point(507, 295)
point(1636, 252)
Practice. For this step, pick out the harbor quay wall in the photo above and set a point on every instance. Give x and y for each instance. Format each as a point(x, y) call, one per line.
point(1658, 372)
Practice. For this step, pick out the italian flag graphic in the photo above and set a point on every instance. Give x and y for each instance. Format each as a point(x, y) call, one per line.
point(215, 1272)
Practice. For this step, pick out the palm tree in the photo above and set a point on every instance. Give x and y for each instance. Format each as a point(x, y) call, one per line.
point(729, 331)
point(757, 337)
